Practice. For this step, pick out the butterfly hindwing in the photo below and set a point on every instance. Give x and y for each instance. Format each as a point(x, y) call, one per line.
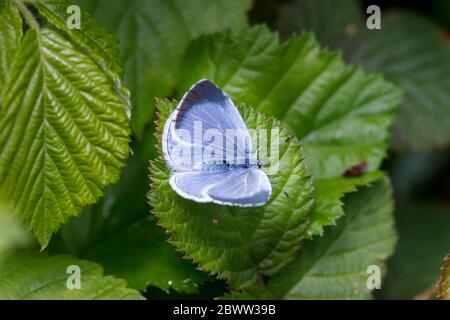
point(240, 187)
point(245, 188)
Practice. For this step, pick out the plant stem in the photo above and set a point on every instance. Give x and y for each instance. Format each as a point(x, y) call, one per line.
point(27, 14)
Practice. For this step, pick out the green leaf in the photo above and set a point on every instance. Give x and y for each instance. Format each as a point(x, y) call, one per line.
point(330, 20)
point(334, 267)
point(424, 117)
point(63, 131)
point(340, 114)
point(240, 244)
point(118, 233)
point(32, 276)
point(328, 204)
point(10, 35)
point(101, 45)
point(444, 282)
point(153, 36)
point(423, 242)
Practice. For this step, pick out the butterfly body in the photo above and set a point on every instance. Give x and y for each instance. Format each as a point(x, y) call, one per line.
point(208, 149)
point(225, 166)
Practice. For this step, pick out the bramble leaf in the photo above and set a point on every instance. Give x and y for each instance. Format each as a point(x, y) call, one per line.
point(335, 266)
point(32, 276)
point(339, 113)
point(153, 36)
point(63, 130)
point(102, 46)
point(328, 193)
point(239, 244)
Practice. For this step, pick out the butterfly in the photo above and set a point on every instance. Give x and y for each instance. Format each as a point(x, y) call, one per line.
point(208, 150)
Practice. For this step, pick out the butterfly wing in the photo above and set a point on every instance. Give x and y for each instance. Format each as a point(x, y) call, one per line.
point(205, 103)
point(240, 187)
point(194, 185)
point(245, 188)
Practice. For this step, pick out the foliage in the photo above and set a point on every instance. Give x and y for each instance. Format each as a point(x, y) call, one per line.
point(334, 267)
point(240, 244)
point(120, 223)
point(339, 113)
point(397, 50)
point(422, 74)
point(310, 15)
point(161, 30)
point(32, 276)
point(64, 128)
point(81, 165)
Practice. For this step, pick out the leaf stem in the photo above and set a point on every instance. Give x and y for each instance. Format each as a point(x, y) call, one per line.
point(27, 14)
point(429, 294)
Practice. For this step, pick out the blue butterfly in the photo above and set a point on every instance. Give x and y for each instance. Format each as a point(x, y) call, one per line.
point(208, 149)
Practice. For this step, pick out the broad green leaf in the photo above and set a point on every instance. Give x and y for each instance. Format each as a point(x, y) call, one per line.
point(101, 45)
point(424, 240)
point(335, 266)
point(444, 282)
point(330, 20)
point(340, 114)
point(328, 193)
point(239, 244)
point(119, 233)
point(398, 52)
point(32, 276)
point(10, 36)
point(63, 131)
point(153, 36)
